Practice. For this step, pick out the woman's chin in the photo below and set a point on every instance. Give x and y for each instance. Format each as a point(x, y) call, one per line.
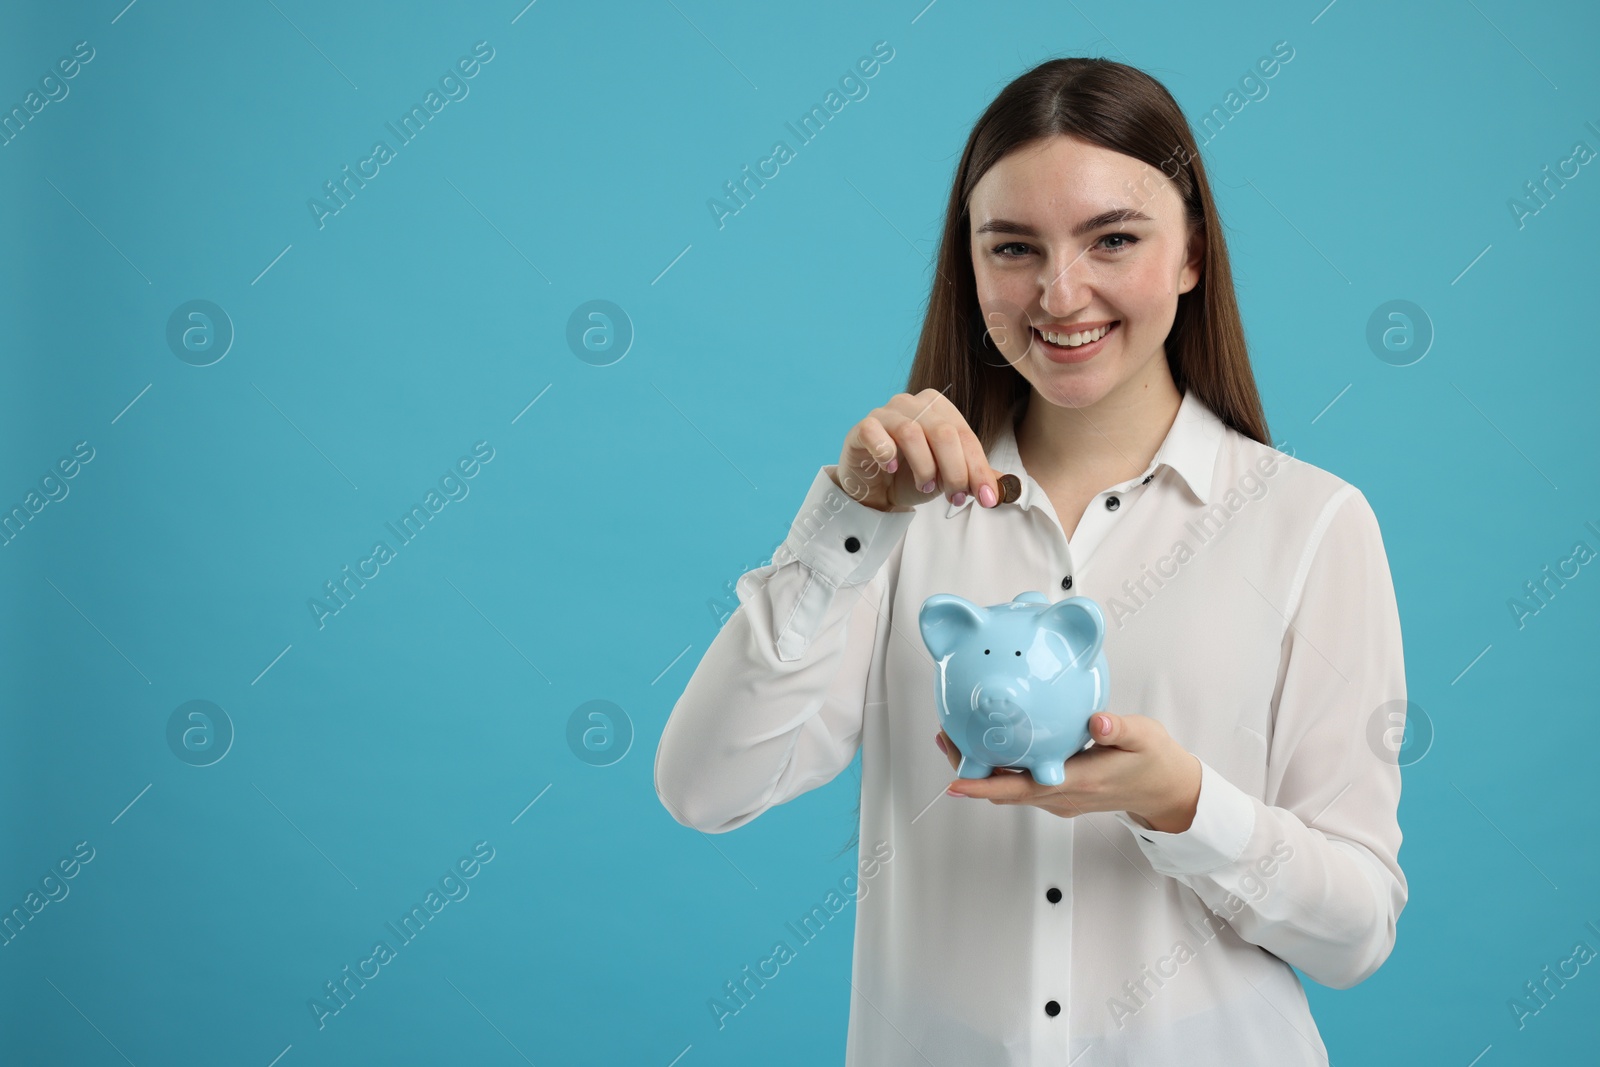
point(1070, 386)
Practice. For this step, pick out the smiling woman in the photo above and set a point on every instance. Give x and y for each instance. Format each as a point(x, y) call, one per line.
point(1083, 349)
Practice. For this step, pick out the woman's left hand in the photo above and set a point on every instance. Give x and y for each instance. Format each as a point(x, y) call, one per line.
point(1134, 765)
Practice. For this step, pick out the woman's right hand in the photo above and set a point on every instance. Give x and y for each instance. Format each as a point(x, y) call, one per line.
point(913, 447)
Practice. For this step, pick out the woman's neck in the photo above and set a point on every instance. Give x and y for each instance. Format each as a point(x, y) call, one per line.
point(1112, 439)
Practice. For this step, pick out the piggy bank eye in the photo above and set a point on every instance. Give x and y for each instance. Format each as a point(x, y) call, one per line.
point(986, 652)
point(1019, 652)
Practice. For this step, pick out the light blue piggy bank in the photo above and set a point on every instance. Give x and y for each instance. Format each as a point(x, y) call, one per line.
point(1018, 682)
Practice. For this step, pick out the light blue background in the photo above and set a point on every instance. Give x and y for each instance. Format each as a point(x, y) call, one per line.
point(590, 557)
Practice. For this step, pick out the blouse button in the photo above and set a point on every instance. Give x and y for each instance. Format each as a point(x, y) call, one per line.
point(1053, 895)
point(1066, 583)
point(1112, 503)
point(852, 545)
point(1051, 1008)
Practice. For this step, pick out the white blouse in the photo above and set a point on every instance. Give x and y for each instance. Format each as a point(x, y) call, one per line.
point(1249, 608)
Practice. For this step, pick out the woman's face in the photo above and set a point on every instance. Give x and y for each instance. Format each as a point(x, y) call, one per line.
point(1041, 260)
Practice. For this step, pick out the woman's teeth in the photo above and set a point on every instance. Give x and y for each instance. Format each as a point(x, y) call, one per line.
point(1073, 340)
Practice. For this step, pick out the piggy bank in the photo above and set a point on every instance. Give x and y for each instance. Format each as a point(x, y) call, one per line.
point(1017, 683)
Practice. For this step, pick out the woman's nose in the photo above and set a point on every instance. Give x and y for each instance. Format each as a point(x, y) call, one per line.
point(1063, 286)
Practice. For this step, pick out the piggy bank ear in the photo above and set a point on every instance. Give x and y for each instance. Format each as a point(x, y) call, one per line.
point(1079, 621)
point(947, 620)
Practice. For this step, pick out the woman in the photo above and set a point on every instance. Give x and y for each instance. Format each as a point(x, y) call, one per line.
point(1235, 817)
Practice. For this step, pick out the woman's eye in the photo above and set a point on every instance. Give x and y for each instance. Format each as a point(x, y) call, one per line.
point(1121, 243)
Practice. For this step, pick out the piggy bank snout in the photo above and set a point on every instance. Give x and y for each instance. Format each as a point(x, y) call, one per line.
point(999, 697)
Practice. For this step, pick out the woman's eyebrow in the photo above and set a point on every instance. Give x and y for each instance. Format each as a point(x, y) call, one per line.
point(1105, 218)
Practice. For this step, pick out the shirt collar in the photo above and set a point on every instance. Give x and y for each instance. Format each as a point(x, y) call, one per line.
point(1190, 449)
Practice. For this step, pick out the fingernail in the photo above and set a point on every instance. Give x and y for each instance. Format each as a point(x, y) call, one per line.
point(958, 499)
point(1102, 724)
point(953, 793)
point(986, 496)
point(892, 464)
point(929, 487)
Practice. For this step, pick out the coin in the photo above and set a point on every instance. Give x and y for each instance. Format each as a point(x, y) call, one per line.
point(1010, 488)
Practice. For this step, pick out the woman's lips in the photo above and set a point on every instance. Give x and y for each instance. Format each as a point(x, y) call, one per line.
point(1062, 354)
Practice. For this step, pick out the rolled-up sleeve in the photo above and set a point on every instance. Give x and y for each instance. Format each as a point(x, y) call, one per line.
point(1311, 871)
point(774, 707)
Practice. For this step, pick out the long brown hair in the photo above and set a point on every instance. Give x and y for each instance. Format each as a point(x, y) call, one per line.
point(1123, 109)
